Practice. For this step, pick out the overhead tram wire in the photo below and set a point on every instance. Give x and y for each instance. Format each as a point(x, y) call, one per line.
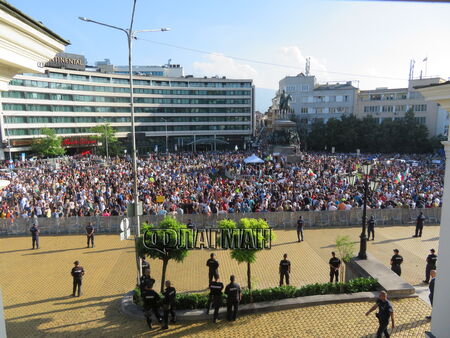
point(266, 62)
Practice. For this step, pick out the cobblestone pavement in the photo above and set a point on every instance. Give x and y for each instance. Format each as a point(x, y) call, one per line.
point(37, 286)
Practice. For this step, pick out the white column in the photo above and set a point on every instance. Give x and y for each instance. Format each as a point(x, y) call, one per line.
point(2, 318)
point(440, 322)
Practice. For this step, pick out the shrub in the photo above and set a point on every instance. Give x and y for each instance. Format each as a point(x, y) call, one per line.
point(190, 301)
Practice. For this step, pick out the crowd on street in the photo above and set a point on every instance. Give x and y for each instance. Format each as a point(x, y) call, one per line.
point(215, 182)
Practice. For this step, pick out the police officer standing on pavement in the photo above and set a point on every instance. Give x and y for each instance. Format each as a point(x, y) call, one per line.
point(396, 262)
point(431, 288)
point(431, 265)
point(169, 304)
point(144, 278)
point(300, 224)
point(215, 288)
point(90, 230)
point(385, 311)
point(234, 296)
point(371, 228)
point(419, 225)
point(145, 265)
point(77, 274)
point(335, 264)
point(285, 270)
point(151, 303)
point(35, 235)
point(213, 266)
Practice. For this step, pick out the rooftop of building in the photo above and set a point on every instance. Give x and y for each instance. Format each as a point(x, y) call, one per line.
point(335, 86)
point(10, 9)
point(433, 85)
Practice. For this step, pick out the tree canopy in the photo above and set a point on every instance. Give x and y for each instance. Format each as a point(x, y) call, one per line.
point(106, 135)
point(170, 242)
point(402, 135)
point(49, 146)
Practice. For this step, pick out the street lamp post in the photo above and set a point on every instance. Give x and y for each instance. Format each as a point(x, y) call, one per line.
point(167, 136)
point(131, 34)
point(367, 184)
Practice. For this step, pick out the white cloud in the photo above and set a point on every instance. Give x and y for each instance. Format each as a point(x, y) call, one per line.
point(221, 65)
point(264, 76)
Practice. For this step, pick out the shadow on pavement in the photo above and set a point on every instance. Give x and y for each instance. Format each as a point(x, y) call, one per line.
point(392, 240)
point(39, 252)
point(424, 240)
point(106, 250)
point(402, 327)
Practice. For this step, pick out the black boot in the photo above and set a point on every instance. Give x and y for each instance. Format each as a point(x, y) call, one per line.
point(149, 323)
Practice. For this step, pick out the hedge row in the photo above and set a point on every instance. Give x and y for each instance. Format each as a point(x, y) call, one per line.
point(189, 301)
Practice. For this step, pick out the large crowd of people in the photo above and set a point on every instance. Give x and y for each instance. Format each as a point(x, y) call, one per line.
point(215, 182)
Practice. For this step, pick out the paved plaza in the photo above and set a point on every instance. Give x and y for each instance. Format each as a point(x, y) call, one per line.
point(37, 286)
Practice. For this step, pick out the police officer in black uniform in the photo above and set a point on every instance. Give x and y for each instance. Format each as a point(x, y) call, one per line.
point(35, 235)
point(431, 265)
point(385, 312)
point(396, 262)
point(90, 230)
point(234, 296)
point(145, 265)
point(169, 304)
point(213, 266)
point(151, 303)
point(77, 274)
point(285, 270)
point(143, 280)
point(335, 264)
point(419, 225)
point(215, 288)
point(300, 224)
point(371, 228)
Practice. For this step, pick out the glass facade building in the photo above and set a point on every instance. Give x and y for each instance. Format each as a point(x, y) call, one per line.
point(191, 113)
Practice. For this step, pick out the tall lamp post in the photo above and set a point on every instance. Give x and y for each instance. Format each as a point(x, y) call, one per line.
point(131, 35)
point(167, 136)
point(367, 184)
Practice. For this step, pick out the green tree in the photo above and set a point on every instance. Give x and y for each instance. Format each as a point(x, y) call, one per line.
point(49, 146)
point(173, 240)
point(345, 248)
point(106, 135)
point(246, 241)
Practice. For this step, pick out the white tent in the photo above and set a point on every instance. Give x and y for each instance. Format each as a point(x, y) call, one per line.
point(253, 159)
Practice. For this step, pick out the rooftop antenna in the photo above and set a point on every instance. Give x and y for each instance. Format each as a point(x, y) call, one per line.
point(307, 66)
point(426, 64)
point(169, 61)
point(411, 69)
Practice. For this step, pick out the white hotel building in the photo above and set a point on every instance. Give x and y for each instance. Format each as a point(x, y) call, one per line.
point(191, 113)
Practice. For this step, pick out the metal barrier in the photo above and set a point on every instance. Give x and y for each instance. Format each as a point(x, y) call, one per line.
point(314, 219)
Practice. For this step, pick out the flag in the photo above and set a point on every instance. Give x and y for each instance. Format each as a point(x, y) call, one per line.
point(310, 172)
point(426, 59)
point(399, 178)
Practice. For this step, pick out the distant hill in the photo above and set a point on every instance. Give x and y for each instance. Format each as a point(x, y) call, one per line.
point(264, 98)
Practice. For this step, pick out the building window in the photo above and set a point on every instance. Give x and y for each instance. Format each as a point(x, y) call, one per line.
point(371, 109)
point(402, 96)
point(421, 119)
point(305, 88)
point(304, 110)
point(389, 96)
point(387, 109)
point(420, 107)
point(375, 97)
point(100, 79)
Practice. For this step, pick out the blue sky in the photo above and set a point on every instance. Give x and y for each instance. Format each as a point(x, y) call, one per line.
point(371, 42)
